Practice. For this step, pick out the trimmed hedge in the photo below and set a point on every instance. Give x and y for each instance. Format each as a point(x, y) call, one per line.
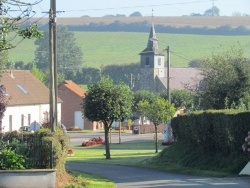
point(212, 132)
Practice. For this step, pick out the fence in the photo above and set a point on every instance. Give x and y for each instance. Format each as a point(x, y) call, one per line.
point(38, 153)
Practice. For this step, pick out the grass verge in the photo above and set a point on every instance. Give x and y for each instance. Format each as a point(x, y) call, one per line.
point(80, 180)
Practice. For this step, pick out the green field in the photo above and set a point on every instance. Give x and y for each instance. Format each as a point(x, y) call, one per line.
point(105, 48)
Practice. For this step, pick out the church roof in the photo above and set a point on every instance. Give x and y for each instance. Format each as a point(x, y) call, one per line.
point(182, 78)
point(152, 46)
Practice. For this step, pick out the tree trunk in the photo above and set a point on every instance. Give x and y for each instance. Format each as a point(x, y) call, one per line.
point(156, 140)
point(106, 128)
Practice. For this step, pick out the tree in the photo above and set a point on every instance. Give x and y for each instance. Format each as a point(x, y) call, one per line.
point(38, 73)
point(107, 102)
point(11, 23)
point(135, 14)
point(214, 11)
point(225, 80)
point(69, 55)
point(159, 111)
point(142, 95)
point(3, 105)
point(182, 99)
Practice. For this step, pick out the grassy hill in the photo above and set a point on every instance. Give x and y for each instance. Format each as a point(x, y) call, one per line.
point(104, 48)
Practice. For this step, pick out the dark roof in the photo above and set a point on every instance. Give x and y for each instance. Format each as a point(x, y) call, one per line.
point(182, 78)
point(24, 89)
point(152, 46)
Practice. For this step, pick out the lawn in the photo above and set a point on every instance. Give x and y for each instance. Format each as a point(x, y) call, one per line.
point(105, 48)
point(176, 158)
point(122, 154)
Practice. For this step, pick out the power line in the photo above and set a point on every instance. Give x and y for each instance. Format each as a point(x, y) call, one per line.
point(139, 6)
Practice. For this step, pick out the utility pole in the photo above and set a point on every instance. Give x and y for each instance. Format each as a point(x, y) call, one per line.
point(53, 66)
point(168, 74)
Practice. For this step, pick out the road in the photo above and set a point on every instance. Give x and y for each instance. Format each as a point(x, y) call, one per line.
point(134, 177)
point(78, 138)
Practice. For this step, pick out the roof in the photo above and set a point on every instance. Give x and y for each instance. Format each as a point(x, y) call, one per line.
point(73, 87)
point(152, 46)
point(24, 89)
point(182, 78)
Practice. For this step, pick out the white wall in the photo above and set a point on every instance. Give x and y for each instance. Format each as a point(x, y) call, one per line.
point(36, 114)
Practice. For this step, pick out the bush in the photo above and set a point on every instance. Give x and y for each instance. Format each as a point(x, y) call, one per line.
point(9, 159)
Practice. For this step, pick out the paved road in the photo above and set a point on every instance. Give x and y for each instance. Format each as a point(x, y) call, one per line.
point(133, 177)
point(78, 138)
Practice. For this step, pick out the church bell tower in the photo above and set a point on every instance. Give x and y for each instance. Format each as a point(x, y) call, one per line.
point(152, 63)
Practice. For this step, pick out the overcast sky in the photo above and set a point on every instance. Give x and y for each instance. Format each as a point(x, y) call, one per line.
point(99, 8)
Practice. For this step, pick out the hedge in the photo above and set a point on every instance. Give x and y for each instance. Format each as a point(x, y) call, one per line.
point(212, 132)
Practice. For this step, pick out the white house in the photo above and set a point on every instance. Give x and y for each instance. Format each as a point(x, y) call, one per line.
point(28, 100)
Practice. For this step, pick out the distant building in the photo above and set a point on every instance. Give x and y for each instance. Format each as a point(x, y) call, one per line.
point(153, 70)
point(72, 96)
point(28, 100)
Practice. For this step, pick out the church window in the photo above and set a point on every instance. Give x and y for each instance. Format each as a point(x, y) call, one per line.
point(147, 61)
point(159, 61)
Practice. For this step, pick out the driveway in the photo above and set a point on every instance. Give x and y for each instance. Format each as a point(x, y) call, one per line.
point(134, 177)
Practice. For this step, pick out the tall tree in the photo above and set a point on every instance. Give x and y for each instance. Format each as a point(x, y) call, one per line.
point(69, 55)
point(158, 111)
point(225, 79)
point(107, 102)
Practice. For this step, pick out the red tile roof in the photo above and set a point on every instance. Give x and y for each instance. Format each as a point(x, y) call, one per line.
point(73, 87)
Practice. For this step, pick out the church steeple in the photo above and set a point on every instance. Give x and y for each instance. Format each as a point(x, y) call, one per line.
point(152, 63)
point(152, 46)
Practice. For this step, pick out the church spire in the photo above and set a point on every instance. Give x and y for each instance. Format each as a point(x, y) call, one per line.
point(152, 40)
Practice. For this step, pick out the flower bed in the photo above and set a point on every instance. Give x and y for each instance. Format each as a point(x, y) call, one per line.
point(93, 141)
point(168, 143)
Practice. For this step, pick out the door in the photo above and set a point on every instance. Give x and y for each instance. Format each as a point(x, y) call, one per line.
point(79, 119)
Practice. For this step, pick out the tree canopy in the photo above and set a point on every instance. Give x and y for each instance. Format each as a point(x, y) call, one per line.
point(225, 79)
point(69, 55)
point(158, 111)
point(107, 103)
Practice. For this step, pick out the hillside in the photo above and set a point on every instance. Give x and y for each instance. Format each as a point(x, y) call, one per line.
point(105, 48)
point(180, 21)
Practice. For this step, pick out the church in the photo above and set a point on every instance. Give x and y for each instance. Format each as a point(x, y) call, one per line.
point(154, 73)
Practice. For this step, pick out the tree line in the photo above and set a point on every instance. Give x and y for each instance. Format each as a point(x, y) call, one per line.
point(118, 26)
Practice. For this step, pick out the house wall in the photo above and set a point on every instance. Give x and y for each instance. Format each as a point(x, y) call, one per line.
point(71, 103)
point(31, 113)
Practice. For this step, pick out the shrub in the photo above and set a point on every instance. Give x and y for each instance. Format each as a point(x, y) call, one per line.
point(9, 159)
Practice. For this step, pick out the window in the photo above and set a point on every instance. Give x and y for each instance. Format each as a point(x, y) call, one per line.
point(22, 89)
point(159, 61)
point(29, 117)
point(22, 120)
point(147, 61)
point(10, 122)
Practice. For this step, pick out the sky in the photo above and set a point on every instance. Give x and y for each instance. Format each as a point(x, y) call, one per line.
point(100, 8)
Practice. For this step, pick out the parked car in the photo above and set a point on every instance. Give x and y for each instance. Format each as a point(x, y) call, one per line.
point(25, 129)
